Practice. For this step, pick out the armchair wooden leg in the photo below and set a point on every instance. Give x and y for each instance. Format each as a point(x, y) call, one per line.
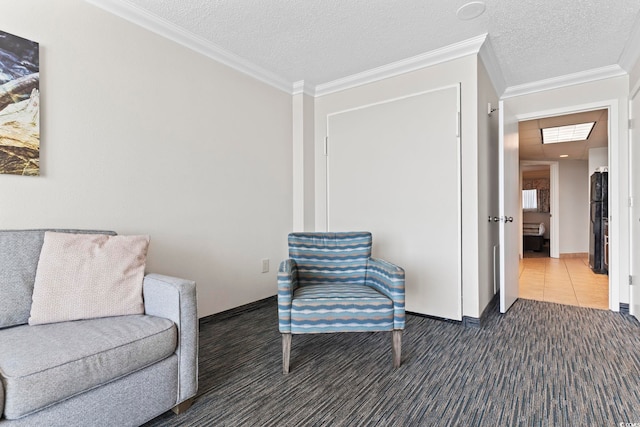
point(183, 406)
point(286, 351)
point(397, 347)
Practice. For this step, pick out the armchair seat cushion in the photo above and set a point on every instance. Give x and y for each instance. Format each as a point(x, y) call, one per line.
point(42, 365)
point(340, 307)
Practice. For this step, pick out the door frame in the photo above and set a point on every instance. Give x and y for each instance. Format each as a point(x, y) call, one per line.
point(615, 252)
point(554, 223)
point(633, 249)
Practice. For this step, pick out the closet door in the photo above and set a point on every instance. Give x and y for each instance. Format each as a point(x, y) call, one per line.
point(393, 168)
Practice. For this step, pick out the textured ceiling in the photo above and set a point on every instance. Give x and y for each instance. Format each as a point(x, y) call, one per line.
point(319, 41)
point(531, 147)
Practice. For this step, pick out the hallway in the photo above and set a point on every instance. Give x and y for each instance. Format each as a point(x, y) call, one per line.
point(564, 281)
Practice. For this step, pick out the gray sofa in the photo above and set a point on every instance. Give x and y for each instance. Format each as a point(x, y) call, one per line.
point(113, 371)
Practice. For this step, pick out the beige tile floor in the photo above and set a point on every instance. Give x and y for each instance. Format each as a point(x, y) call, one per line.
point(564, 281)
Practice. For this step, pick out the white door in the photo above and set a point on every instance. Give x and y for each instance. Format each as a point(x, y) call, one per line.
point(510, 195)
point(635, 210)
point(393, 168)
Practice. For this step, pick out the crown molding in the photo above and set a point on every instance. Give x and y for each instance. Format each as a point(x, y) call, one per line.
point(438, 56)
point(631, 52)
point(153, 23)
point(480, 45)
point(563, 81)
point(302, 87)
point(491, 63)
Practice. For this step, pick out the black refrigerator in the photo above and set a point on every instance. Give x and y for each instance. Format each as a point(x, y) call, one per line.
point(599, 222)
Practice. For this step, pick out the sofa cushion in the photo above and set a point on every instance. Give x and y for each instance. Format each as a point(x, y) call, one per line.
point(1, 399)
point(83, 276)
point(19, 254)
point(338, 307)
point(42, 365)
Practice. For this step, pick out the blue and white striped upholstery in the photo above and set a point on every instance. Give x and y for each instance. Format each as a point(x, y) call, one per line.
point(388, 279)
point(340, 308)
point(331, 284)
point(330, 257)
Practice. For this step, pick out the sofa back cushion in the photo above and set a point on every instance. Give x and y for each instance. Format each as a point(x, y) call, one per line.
point(19, 255)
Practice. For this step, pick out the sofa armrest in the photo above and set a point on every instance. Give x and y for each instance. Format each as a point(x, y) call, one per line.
point(175, 299)
point(287, 284)
point(388, 279)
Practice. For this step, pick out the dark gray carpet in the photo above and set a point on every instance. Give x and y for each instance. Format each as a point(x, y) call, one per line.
point(541, 364)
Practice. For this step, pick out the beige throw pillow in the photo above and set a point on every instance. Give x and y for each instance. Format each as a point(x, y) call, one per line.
point(83, 276)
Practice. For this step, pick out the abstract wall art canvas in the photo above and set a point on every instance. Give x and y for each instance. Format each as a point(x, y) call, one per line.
point(19, 105)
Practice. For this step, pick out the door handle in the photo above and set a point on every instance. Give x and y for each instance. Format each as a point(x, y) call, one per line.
point(500, 219)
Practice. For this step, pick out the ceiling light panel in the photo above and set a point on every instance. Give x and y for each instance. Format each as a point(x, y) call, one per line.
point(579, 132)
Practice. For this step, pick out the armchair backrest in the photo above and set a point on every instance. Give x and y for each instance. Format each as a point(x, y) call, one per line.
point(330, 257)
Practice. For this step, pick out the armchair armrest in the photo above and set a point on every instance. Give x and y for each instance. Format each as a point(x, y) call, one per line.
point(287, 284)
point(175, 299)
point(388, 279)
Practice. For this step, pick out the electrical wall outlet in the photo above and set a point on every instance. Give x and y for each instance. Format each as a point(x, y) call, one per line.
point(265, 265)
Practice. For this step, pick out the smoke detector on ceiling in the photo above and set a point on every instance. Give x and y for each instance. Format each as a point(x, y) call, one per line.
point(470, 10)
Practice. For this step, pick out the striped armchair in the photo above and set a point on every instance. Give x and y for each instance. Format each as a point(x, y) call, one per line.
point(330, 283)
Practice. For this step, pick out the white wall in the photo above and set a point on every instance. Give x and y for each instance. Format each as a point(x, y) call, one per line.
point(303, 162)
point(598, 157)
point(143, 136)
point(613, 92)
point(462, 70)
point(488, 203)
point(574, 206)
point(634, 76)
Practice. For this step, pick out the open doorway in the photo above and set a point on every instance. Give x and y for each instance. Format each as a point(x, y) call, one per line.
point(566, 278)
point(536, 210)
